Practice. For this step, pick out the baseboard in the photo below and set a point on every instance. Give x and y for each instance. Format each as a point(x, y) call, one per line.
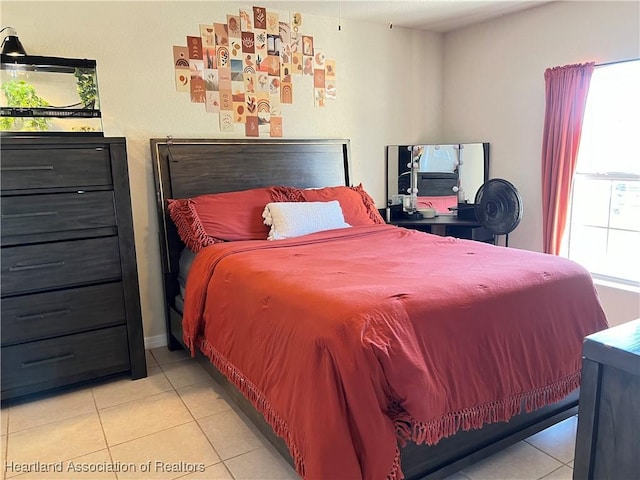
point(155, 342)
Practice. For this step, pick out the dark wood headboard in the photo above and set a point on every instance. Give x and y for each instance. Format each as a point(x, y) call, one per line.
point(188, 167)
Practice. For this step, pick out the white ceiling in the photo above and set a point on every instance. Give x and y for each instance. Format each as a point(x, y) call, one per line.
point(433, 15)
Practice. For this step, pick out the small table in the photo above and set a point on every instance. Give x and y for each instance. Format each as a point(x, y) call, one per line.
point(608, 438)
point(448, 225)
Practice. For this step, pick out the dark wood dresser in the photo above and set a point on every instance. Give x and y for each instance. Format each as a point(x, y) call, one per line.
point(70, 297)
point(608, 438)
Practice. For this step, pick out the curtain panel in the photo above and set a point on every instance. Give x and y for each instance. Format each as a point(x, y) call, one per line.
point(566, 91)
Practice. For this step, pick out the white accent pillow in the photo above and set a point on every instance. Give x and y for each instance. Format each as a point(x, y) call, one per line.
point(292, 219)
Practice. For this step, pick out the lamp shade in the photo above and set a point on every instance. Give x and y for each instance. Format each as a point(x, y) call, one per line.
point(11, 44)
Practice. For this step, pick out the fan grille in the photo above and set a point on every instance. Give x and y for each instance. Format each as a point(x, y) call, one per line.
point(498, 206)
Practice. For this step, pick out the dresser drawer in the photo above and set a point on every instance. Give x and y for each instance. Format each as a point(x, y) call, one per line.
point(27, 168)
point(31, 268)
point(33, 214)
point(52, 314)
point(64, 360)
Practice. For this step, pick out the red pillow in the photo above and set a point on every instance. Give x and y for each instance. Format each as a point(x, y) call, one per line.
point(357, 206)
point(207, 219)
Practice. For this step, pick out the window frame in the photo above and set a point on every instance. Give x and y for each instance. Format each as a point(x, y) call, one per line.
point(603, 176)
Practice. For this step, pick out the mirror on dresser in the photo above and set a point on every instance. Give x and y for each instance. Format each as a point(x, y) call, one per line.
point(446, 174)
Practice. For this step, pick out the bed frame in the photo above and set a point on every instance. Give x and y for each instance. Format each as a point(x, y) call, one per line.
point(190, 167)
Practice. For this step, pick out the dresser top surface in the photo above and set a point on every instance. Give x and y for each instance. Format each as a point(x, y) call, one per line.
point(22, 141)
point(618, 346)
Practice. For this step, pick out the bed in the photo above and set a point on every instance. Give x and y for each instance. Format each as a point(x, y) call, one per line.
point(400, 419)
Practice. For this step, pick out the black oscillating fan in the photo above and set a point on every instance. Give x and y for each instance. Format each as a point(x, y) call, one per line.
point(498, 207)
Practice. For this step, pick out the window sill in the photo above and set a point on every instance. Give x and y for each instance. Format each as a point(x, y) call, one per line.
point(616, 285)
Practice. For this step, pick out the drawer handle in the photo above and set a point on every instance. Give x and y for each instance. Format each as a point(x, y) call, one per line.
point(20, 268)
point(27, 215)
point(38, 363)
point(37, 316)
point(27, 168)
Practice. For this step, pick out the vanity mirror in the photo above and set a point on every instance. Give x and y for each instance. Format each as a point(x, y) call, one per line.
point(444, 175)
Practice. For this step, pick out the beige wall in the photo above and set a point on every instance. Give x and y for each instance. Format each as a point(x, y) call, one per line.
point(389, 92)
point(395, 86)
point(494, 91)
point(620, 305)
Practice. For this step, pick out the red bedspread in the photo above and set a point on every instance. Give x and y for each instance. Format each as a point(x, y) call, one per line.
point(352, 341)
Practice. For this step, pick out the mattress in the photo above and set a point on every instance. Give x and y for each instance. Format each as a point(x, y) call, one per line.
point(184, 265)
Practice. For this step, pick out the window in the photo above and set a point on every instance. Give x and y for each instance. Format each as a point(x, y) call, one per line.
point(603, 231)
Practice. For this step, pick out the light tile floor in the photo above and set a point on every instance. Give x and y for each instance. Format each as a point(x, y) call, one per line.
point(177, 423)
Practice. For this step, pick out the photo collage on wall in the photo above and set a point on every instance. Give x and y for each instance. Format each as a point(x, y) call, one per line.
point(242, 69)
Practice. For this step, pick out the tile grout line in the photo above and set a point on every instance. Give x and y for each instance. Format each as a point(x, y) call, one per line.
point(137, 400)
point(226, 399)
point(549, 455)
point(200, 426)
point(244, 453)
point(553, 471)
point(6, 427)
point(65, 459)
point(141, 398)
point(148, 434)
point(118, 405)
point(65, 419)
point(45, 423)
point(104, 434)
point(195, 420)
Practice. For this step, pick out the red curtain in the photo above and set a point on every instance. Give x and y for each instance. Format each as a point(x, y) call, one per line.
point(566, 91)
